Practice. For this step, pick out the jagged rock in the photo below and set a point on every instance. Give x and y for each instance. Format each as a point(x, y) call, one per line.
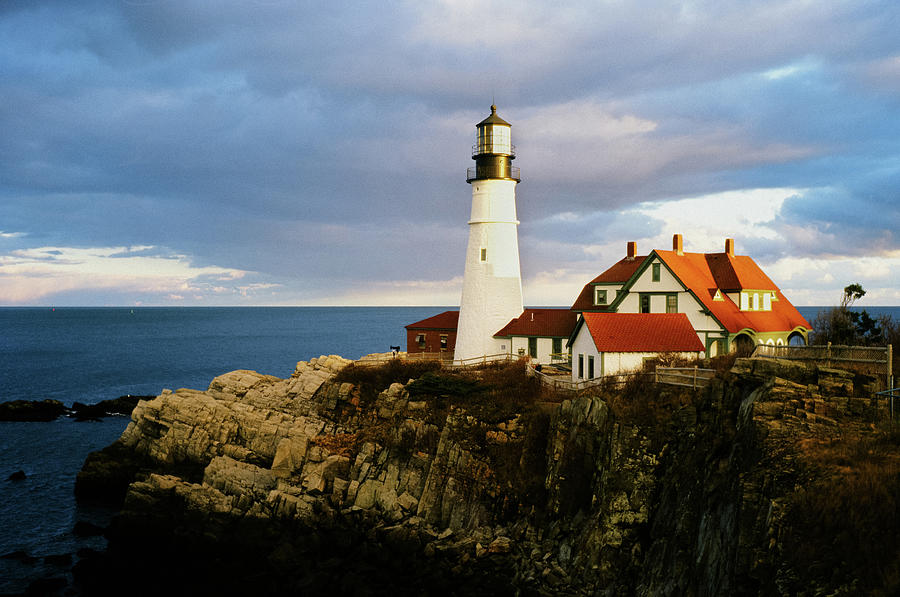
point(28, 410)
point(87, 529)
point(588, 496)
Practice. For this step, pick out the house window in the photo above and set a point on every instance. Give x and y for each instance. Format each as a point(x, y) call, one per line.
point(420, 340)
point(767, 301)
point(656, 272)
point(557, 346)
point(581, 366)
point(599, 296)
point(443, 341)
point(756, 301)
point(532, 347)
point(645, 303)
point(671, 303)
point(484, 254)
point(590, 367)
point(745, 302)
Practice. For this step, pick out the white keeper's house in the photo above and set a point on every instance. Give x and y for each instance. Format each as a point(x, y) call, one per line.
point(673, 301)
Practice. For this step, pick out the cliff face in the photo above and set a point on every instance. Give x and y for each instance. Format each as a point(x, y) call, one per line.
point(315, 483)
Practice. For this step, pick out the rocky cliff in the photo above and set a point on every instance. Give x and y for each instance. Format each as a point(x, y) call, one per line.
point(405, 479)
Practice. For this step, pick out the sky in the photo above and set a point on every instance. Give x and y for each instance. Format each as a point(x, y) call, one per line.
point(282, 152)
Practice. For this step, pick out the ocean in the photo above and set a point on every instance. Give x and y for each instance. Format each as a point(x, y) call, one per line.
point(93, 354)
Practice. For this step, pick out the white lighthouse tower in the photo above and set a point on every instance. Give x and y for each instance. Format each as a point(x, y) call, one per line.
point(492, 284)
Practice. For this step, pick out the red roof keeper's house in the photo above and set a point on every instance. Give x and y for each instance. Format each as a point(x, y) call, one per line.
point(730, 303)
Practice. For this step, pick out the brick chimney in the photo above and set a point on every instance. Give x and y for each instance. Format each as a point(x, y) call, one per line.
point(678, 244)
point(631, 251)
point(729, 247)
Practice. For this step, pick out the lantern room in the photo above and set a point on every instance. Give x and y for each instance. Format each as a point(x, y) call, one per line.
point(493, 151)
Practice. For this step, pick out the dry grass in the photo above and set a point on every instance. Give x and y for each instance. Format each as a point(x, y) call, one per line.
point(844, 522)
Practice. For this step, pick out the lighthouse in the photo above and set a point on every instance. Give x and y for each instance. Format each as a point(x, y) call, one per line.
point(492, 283)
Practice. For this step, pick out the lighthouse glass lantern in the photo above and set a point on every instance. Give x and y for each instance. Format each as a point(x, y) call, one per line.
point(493, 151)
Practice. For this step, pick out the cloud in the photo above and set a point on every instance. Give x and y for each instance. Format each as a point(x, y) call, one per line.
point(321, 147)
point(39, 274)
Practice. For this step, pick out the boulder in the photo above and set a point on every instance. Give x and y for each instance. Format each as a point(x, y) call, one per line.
point(31, 410)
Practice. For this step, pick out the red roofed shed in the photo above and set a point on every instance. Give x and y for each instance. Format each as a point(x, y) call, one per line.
point(435, 334)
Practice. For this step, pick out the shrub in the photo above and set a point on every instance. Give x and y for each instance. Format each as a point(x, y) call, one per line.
point(370, 380)
point(841, 527)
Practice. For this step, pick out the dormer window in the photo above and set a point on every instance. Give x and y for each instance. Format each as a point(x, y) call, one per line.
point(757, 300)
point(600, 296)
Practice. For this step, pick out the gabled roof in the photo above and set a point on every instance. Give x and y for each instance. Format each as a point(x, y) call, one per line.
point(619, 273)
point(557, 323)
point(642, 332)
point(703, 273)
point(448, 320)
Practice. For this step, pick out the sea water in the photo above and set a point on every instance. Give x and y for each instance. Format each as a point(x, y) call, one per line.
point(93, 354)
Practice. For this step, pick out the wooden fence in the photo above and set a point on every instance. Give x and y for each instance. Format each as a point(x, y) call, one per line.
point(442, 357)
point(688, 377)
point(876, 360)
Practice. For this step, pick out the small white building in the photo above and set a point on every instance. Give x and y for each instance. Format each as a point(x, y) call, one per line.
point(611, 343)
point(540, 334)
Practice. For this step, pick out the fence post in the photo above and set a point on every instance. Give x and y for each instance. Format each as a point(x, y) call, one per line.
point(890, 367)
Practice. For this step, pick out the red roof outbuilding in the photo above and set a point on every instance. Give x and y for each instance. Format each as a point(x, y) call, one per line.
point(642, 332)
point(554, 323)
point(448, 320)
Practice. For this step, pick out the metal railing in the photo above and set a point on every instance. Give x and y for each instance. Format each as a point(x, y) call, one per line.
point(482, 148)
point(890, 394)
point(513, 173)
point(687, 377)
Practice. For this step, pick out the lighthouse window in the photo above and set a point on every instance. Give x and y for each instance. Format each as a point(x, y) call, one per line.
point(484, 254)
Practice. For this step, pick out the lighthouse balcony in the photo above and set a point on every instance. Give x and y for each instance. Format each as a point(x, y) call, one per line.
point(493, 171)
point(493, 149)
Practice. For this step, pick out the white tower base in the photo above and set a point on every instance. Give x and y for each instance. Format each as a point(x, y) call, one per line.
point(492, 283)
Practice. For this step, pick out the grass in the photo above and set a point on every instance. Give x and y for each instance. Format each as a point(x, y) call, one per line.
point(371, 380)
point(842, 523)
